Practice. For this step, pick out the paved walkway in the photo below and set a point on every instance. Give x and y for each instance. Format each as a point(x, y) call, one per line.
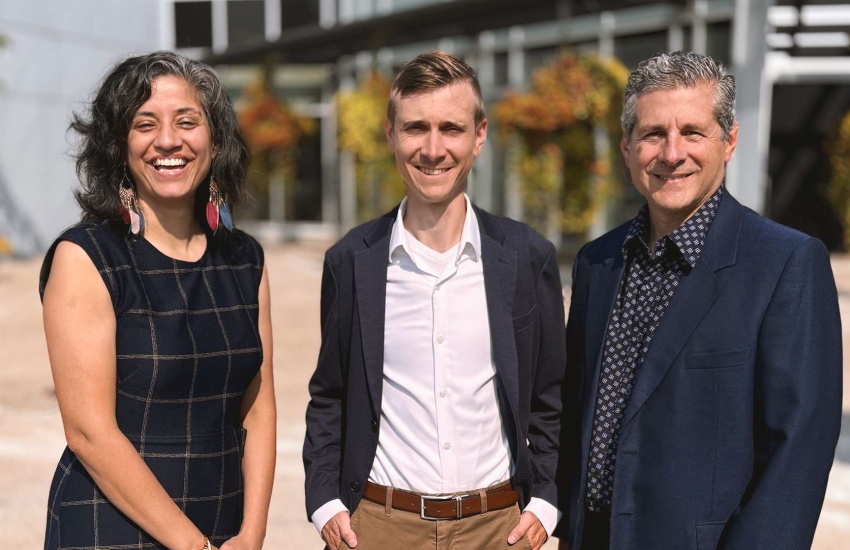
point(31, 437)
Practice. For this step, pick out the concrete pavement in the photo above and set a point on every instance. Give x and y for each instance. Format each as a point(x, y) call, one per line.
point(31, 436)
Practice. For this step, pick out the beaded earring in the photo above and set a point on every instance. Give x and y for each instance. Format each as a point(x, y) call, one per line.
point(217, 211)
point(128, 208)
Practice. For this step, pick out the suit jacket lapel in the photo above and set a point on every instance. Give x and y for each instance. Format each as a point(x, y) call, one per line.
point(500, 273)
point(693, 298)
point(602, 292)
point(370, 280)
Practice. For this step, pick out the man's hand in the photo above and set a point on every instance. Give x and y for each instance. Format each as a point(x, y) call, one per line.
point(528, 525)
point(339, 528)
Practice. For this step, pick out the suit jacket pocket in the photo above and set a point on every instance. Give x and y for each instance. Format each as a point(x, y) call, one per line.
point(523, 321)
point(718, 359)
point(708, 535)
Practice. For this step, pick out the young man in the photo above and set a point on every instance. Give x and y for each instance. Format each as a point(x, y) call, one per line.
point(706, 342)
point(435, 405)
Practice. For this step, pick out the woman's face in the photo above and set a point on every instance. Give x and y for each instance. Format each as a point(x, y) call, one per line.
point(169, 148)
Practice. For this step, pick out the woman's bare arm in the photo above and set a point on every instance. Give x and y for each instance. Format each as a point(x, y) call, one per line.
point(259, 416)
point(79, 324)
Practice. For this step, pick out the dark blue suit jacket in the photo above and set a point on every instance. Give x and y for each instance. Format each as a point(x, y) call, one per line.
point(526, 312)
point(731, 428)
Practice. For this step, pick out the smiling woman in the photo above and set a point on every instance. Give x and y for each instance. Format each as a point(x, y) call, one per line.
point(157, 324)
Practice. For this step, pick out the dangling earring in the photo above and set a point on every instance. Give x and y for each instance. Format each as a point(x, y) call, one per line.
point(217, 210)
point(128, 208)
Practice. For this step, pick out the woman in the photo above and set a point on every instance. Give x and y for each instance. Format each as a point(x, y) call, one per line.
point(156, 314)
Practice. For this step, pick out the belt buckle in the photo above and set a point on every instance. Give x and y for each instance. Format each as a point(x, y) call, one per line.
point(423, 498)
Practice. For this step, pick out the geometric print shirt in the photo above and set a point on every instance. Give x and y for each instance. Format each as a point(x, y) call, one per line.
point(648, 284)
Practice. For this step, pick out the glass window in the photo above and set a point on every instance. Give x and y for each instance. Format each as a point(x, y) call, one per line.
point(633, 49)
point(719, 42)
point(193, 24)
point(307, 195)
point(501, 70)
point(297, 13)
point(246, 21)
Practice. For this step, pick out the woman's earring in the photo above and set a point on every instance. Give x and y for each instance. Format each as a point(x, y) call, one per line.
point(128, 208)
point(217, 211)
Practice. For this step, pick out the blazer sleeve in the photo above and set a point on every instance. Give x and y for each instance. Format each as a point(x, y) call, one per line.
point(797, 408)
point(322, 443)
point(545, 418)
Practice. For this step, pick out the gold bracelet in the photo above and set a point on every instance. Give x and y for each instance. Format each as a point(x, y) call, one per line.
point(207, 544)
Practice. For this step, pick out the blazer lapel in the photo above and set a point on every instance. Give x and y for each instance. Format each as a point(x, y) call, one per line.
point(500, 272)
point(692, 299)
point(602, 292)
point(370, 280)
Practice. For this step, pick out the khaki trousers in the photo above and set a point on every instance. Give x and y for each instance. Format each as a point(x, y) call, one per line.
point(380, 528)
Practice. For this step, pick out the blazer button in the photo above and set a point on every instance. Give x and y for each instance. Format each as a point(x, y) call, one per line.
point(354, 486)
point(374, 425)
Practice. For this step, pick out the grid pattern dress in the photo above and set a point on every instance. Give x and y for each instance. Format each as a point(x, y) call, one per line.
point(188, 346)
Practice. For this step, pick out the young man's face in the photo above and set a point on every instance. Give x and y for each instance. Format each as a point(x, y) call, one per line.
point(676, 154)
point(435, 140)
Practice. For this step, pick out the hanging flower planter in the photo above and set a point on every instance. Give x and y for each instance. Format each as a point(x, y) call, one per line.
point(564, 134)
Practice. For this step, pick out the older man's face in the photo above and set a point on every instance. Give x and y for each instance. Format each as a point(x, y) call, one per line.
point(676, 155)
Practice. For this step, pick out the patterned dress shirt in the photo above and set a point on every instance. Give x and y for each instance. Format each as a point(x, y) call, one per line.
point(650, 279)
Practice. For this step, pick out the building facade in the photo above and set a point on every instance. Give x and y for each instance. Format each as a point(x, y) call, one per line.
point(55, 52)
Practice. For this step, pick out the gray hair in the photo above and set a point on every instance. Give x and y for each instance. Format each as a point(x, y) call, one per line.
point(668, 71)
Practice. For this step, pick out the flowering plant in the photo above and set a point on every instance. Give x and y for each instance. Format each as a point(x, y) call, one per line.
point(362, 114)
point(272, 132)
point(556, 127)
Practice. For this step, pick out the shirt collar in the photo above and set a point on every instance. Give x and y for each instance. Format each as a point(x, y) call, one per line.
point(688, 238)
point(470, 236)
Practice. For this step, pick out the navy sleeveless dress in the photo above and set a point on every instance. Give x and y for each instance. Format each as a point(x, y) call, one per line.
point(188, 346)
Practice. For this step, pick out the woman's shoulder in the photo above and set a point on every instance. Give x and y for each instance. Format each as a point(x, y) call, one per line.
point(245, 249)
point(92, 232)
point(103, 241)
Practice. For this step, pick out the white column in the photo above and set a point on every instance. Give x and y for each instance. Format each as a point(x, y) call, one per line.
point(273, 14)
point(330, 152)
point(167, 38)
point(514, 207)
point(219, 25)
point(347, 164)
point(699, 33)
point(328, 13)
point(486, 71)
point(746, 174)
point(601, 143)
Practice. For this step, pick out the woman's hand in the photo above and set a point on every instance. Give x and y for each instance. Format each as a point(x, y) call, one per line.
point(241, 542)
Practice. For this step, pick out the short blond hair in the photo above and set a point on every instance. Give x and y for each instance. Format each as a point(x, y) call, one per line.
point(432, 71)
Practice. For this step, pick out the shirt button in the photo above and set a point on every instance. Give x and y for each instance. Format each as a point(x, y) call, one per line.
point(440, 339)
point(447, 446)
point(443, 393)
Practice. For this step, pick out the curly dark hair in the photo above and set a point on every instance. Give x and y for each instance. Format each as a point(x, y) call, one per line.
point(104, 127)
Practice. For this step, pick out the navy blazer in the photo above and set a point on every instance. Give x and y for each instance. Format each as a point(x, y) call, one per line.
point(731, 428)
point(526, 312)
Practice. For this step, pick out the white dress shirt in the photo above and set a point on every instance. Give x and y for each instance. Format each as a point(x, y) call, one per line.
point(441, 428)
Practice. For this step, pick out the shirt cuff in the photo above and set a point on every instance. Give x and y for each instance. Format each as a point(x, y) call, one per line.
point(548, 515)
point(328, 510)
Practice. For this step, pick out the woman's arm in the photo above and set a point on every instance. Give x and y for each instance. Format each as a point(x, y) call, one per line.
point(79, 324)
point(259, 416)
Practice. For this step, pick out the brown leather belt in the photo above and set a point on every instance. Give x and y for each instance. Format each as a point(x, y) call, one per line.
point(435, 507)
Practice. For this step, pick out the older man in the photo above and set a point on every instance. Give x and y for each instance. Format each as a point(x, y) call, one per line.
point(435, 406)
point(703, 344)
